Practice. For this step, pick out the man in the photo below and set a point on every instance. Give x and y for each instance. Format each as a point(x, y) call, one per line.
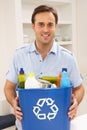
point(43, 57)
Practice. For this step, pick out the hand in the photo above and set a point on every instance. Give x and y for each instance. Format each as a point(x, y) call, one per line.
point(73, 108)
point(17, 109)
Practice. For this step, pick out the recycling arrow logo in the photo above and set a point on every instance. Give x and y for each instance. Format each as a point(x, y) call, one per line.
point(52, 106)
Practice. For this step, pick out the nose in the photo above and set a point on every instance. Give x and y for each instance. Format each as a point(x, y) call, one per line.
point(46, 29)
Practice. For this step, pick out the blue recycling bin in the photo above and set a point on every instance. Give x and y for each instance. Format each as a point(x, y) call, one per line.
point(45, 109)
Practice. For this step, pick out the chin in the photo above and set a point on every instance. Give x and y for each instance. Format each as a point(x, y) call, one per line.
point(46, 42)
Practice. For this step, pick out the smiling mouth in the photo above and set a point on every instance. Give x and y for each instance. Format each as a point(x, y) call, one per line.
point(45, 35)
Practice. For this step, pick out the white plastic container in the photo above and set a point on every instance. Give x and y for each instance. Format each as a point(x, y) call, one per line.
point(31, 82)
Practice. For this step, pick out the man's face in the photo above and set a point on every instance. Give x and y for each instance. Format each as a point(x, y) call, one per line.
point(44, 27)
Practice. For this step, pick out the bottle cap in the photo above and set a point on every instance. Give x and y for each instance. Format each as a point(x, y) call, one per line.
point(31, 74)
point(21, 71)
point(64, 69)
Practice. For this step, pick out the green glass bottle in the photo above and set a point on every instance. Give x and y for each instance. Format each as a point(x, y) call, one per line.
point(21, 79)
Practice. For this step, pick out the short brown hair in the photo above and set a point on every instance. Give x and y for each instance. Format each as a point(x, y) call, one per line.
point(44, 8)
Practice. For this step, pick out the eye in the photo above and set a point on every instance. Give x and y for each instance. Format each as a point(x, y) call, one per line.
point(50, 24)
point(41, 24)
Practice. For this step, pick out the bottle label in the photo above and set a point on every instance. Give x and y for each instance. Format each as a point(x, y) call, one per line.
point(21, 78)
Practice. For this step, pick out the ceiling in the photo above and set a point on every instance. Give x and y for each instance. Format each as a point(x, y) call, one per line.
point(51, 2)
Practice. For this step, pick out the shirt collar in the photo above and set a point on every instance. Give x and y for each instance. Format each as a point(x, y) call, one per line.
point(32, 48)
point(53, 49)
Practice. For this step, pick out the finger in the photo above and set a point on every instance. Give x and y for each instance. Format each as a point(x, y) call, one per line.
point(73, 112)
point(18, 114)
point(72, 117)
point(19, 118)
point(74, 106)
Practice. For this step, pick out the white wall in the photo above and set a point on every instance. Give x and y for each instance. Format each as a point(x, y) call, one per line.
point(81, 22)
point(9, 39)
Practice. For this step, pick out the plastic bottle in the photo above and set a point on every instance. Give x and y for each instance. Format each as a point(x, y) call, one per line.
point(31, 82)
point(51, 79)
point(21, 78)
point(65, 81)
point(58, 80)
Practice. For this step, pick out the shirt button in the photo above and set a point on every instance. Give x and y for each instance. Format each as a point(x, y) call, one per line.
point(41, 73)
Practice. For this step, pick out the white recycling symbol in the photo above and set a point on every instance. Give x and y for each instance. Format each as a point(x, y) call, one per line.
point(49, 102)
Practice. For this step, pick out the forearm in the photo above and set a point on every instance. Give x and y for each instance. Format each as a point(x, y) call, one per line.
point(77, 97)
point(10, 92)
point(79, 93)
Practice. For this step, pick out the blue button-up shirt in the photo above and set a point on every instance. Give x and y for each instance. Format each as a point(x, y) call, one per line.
point(28, 58)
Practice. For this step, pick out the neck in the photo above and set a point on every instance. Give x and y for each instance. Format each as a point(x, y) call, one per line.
point(43, 49)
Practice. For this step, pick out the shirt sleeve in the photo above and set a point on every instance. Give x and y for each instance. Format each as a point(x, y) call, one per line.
point(12, 74)
point(75, 75)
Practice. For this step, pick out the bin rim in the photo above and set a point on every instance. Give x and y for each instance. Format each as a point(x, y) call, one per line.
point(44, 89)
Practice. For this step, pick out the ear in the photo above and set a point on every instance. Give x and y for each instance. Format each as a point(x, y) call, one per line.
point(33, 26)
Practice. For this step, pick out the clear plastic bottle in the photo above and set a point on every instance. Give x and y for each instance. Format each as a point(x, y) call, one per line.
point(21, 78)
point(65, 81)
point(32, 82)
